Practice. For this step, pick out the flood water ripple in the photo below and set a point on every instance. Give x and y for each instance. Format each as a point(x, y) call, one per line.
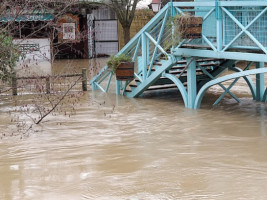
point(148, 148)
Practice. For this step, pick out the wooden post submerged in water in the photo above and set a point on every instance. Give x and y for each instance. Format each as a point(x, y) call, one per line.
point(14, 86)
point(84, 79)
point(47, 79)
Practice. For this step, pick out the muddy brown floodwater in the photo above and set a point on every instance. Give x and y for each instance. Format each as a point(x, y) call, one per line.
point(148, 148)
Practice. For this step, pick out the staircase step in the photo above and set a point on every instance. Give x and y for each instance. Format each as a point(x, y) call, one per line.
point(164, 87)
point(208, 60)
point(185, 72)
point(157, 63)
point(199, 60)
point(209, 64)
point(181, 62)
point(152, 69)
point(202, 65)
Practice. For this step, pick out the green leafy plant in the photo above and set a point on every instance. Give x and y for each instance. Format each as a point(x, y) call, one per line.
point(9, 55)
point(115, 61)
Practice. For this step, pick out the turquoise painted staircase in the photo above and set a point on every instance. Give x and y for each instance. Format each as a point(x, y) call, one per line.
point(159, 81)
point(191, 65)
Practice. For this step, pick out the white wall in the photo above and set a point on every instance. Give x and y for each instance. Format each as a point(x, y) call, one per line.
point(36, 59)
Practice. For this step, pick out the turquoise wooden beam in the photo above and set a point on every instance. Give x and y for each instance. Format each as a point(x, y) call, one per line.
point(260, 83)
point(153, 22)
point(103, 77)
point(136, 50)
point(153, 77)
point(144, 56)
point(220, 46)
point(191, 82)
point(109, 80)
point(245, 31)
point(245, 28)
point(205, 87)
point(208, 14)
point(220, 55)
point(218, 14)
point(93, 86)
point(155, 42)
point(118, 87)
point(209, 43)
point(158, 42)
point(99, 86)
point(220, 3)
point(124, 87)
point(179, 85)
point(265, 96)
point(247, 79)
point(242, 3)
point(99, 75)
point(226, 90)
point(138, 77)
point(179, 11)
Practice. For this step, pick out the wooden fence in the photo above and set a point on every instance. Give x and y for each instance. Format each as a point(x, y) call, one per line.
point(48, 80)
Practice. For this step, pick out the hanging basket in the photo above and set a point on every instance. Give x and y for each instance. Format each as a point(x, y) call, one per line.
point(189, 27)
point(125, 71)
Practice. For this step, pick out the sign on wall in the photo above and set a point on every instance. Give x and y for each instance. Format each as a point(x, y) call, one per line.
point(68, 28)
point(68, 31)
point(36, 56)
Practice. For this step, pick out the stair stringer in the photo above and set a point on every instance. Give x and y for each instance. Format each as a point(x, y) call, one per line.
point(166, 65)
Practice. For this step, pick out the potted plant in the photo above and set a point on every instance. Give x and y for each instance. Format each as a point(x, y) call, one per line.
point(122, 66)
point(188, 26)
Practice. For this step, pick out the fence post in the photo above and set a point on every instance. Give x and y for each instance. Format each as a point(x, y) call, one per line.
point(14, 85)
point(84, 79)
point(47, 85)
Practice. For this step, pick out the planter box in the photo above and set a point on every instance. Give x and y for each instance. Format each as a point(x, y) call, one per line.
point(125, 71)
point(189, 27)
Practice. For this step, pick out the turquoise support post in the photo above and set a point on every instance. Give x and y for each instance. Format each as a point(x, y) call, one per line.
point(109, 80)
point(118, 87)
point(218, 13)
point(93, 86)
point(139, 64)
point(260, 83)
point(144, 55)
point(172, 9)
point(191, 83)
